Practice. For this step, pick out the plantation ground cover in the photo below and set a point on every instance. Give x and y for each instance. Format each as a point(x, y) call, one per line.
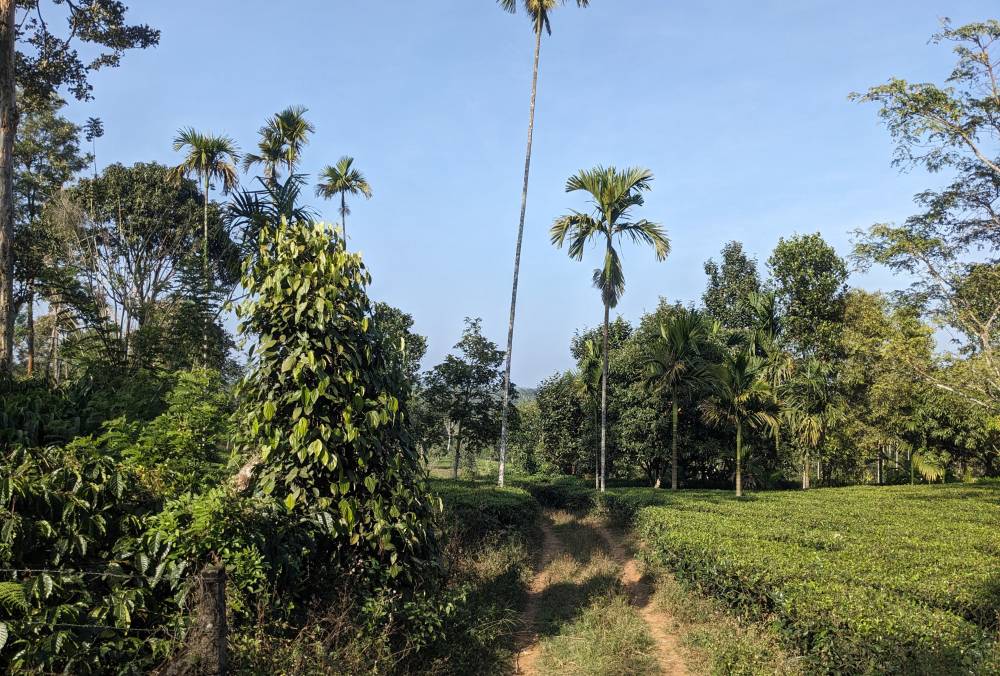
point(860, 579)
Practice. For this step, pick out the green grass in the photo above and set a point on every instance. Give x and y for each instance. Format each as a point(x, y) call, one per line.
point(607, 638)
point(717, 641)
point(864, 579)
point(584, 620)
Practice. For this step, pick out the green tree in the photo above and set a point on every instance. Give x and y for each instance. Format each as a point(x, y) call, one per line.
point(538, 11)
point(740, 398)
point(325, 413)
point(810, 282)
point(613, 195)
point(949, 249)
point(209, 157)
point(730, 284)
point(39, 62)
point(406, 347)
point(675, 365)
point(466, 389)
point(811, 407)
point(282, 139)
point(46, 156)
point(141, 234)
point(343, 179)
point(93, 129)
point(563, 414)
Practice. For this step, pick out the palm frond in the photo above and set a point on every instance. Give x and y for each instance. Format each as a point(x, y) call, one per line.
point(610, 279)
point(647, 232)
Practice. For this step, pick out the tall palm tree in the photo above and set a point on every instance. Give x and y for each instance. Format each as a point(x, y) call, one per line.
point(613, 195)
point(811, 406)
point(210, 158)
point(589, 383)
point(93, 129)
point(741, 398)
point(538, 12)
point(343, 179)
point(675, 365)
point(282, 139)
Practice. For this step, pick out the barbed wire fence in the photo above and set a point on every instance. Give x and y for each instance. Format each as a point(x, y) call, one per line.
point(205, 643)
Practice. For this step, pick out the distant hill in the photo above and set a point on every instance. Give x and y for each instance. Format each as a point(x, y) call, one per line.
point(526, 394)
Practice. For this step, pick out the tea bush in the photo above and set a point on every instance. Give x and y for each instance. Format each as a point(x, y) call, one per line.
point(862, 580)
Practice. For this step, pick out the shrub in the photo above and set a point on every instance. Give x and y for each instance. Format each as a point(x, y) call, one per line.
point(85, 596)
point(326, 410)
point(187, 443)
point(561, 493)
point(861, 580)
point(477, 512)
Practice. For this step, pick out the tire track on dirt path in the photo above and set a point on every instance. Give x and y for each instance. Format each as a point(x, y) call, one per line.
point(530, 646)
point(640, 592)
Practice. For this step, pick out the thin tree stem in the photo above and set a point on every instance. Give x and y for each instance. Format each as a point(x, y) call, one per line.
point(8, 130)
point(739, 460)
point(673, 443)
point(604, 400)
point(517, 260)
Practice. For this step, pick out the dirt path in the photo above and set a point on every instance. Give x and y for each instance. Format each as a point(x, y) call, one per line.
point(639, 591)
point(530, 647)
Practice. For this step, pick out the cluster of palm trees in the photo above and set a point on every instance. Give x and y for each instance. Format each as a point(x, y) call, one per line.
point(745, 381)
point(213, 159)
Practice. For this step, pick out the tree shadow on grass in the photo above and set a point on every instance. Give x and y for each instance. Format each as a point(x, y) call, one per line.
point(581, 540)
point(562, 603)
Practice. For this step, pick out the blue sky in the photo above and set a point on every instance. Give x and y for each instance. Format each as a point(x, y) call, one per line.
point(739, 108)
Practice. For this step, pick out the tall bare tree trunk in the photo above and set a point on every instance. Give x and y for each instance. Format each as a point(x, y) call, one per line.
point(30, 338)
point(805, 470)
point(604, 400)
point(54, 346)
point(517, 260)
point(673, 443)
point(8, 129)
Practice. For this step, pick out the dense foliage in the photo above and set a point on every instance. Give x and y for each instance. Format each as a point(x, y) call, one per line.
point(862, 580)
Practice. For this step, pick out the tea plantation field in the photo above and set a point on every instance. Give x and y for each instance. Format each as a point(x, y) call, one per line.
point(860, 580)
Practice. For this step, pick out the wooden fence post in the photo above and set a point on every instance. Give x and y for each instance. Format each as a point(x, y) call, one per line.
point(213, 648)
point(206, 645)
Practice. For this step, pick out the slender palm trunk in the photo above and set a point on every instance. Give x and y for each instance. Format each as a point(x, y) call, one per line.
point(604, 401)
point(597, 449)
point(673, 443)
point(343, 218)
point(517, 259)
point(458, 453)
point(31, 329)
point(8, 129)
point(739, 459)
point(805, 470)
point(52, 368)
point(207, 277)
